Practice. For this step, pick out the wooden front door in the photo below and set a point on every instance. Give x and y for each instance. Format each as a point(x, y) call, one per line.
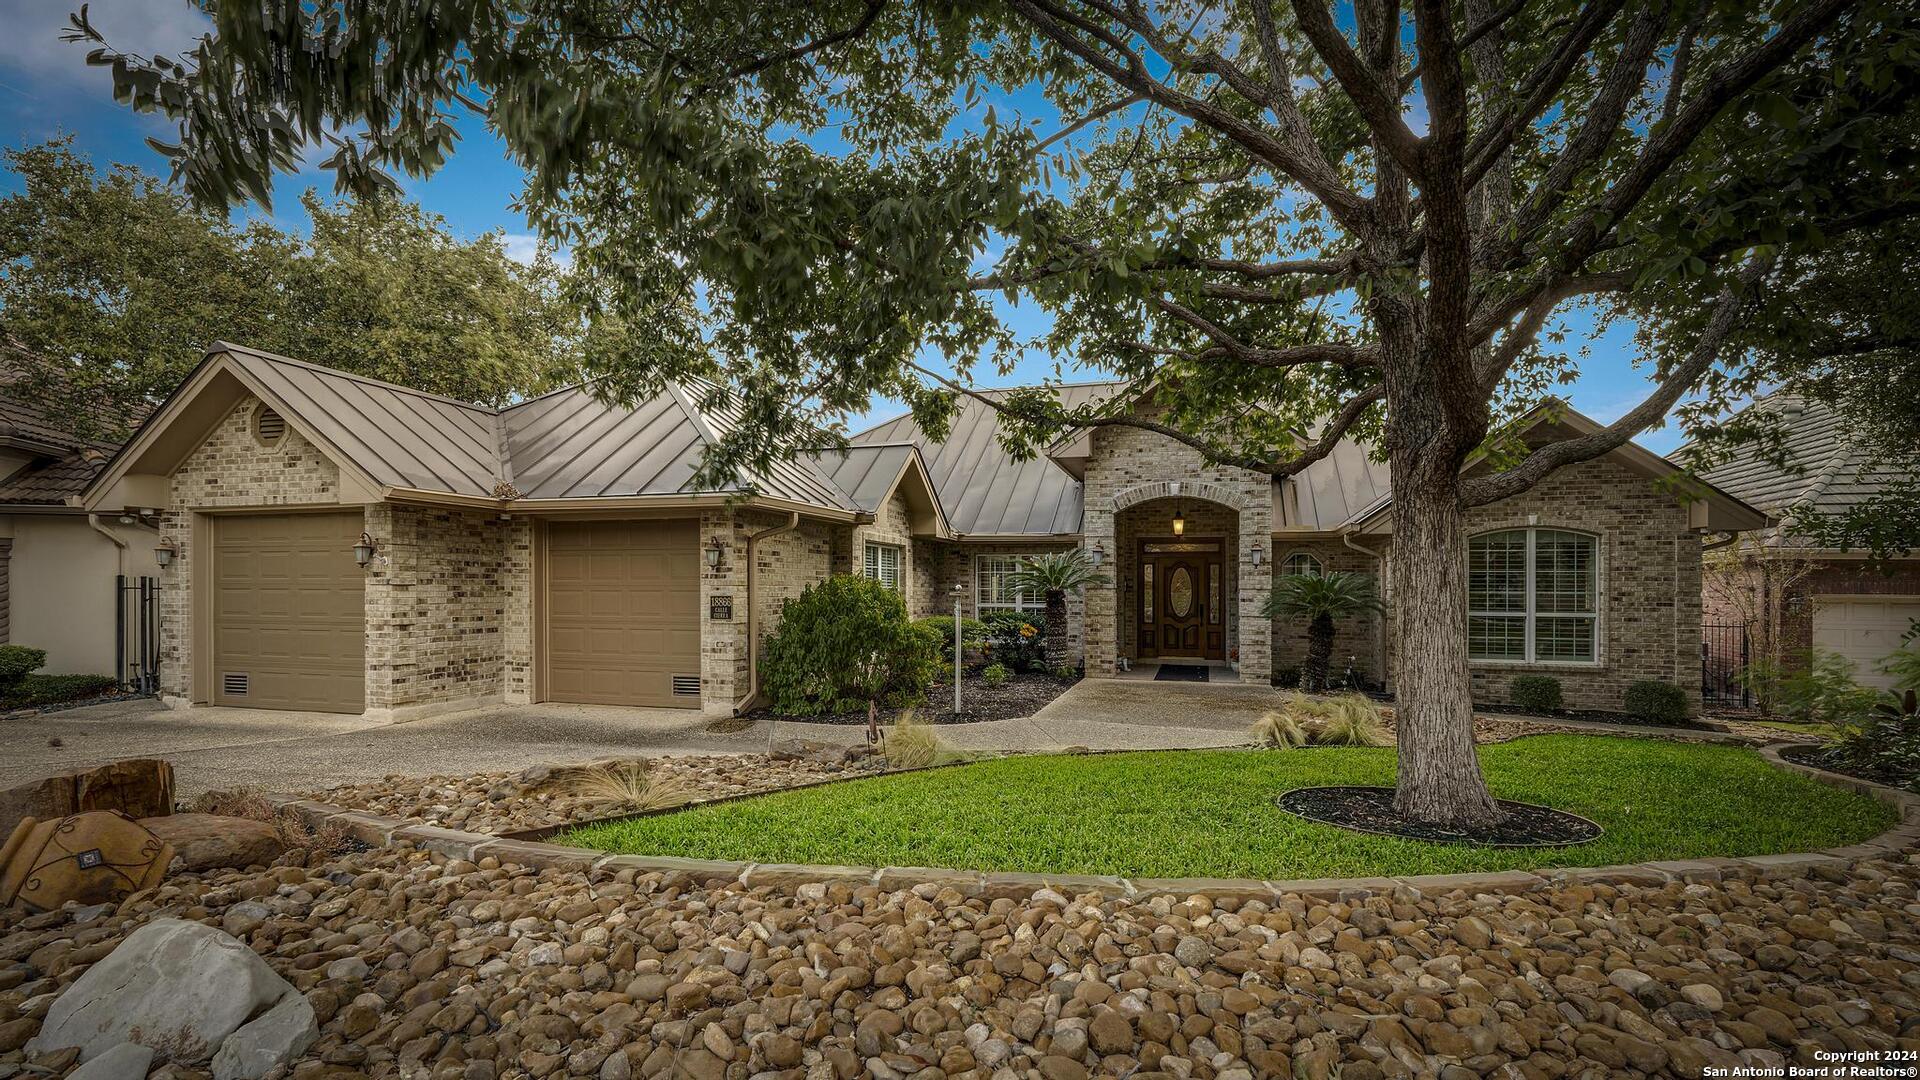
point(1182, 591)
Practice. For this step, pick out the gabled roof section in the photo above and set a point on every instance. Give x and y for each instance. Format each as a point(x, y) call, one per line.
point(872, 473)
point(399, 437)
point(63, 462)
point(1332, 491)
point(1824, 470)
point(403, 443)
point(982, 489)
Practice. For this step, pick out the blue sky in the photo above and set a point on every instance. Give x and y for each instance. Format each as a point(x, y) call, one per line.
point(47, 91)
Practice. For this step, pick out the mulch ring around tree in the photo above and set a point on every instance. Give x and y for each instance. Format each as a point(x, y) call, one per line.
point(1019, 696)
point(1370, 810)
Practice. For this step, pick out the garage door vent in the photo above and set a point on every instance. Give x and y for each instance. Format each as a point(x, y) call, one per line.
point(686, 685)
point(234, 683)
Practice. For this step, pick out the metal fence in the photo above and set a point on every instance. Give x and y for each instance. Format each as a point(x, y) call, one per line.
point(1725, 652)
point(137, 633)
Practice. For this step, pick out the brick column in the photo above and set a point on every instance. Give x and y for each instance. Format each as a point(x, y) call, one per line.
point(1255, 583)
point(1102, 628)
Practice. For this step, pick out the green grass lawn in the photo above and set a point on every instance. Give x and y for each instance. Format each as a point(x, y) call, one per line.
point(1212, 813)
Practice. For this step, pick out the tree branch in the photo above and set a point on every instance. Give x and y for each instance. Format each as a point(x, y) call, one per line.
point(1538, 89)
point(805, 49)
point(1541, 463)
point(1380, 109)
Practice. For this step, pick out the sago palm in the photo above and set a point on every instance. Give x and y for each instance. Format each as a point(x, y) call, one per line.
point(1054, 575)
point(1320, 599)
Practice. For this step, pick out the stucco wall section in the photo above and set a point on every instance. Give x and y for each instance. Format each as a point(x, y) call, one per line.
point(229, 469)
point(437, 595)
point(60, 588)
point(1124, 466)
point(1649, 583)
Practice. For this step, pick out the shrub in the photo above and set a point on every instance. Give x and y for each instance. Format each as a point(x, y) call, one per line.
point(1016, 640)
point(1822, 692)
point(846, 643)
point(912, 744)
point(1656, 702)
point(55, 690)
point(1883, 744)
point(632, 784)
point(1279, 730)
point(1535, 693)
point(1287, 678)
point(1066, 671)
point(995, 674)
point(973, 633)
point(17, 662)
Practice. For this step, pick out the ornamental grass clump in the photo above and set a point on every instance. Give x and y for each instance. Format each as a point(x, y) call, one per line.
point(1311, 720)
point(912, 744)
point(632, 785)
point(1279, 731)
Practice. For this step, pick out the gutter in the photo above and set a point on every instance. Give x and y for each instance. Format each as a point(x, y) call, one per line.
point(118, 541)
point(746, 704)
point(1380, 625)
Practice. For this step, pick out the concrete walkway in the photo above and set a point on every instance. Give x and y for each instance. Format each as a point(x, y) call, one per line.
point(284, 752)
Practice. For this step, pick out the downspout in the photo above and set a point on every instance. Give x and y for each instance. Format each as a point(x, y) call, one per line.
point(1379, 640)
point(121, 554)
point(747, 703)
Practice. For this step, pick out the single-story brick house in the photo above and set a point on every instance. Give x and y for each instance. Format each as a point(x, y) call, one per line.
point(337, 543)
point(1788, 591)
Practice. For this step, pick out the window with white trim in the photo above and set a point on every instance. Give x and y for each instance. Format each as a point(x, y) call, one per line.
point(1533, 595)
point(1300, 564)
point(992, 591)
point(883, 564)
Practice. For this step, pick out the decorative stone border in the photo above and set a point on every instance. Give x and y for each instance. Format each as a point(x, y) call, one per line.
point(377, 831)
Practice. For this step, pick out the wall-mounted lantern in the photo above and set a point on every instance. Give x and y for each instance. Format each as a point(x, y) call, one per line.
point(1259, 554)
point(716, 553)
point(165, 552)
point(1179, 521)
point(363, 551)
point(1098, 555)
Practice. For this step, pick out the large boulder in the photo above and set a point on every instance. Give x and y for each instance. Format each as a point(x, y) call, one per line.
point(179, 988)
point(138, 788)
point(211, 842)
point(276, 1037)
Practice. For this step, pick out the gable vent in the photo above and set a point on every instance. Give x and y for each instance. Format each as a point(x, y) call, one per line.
point(269, 426)
point(234, 683)
point(685, 685)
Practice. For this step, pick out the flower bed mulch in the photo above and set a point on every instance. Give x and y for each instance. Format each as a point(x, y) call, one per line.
point(1820, 756)
point(1370, 810)
point(1018, 697)
point(1596, 716)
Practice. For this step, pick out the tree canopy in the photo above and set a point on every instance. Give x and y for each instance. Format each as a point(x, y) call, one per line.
point(120, 283)
point(1291, 222)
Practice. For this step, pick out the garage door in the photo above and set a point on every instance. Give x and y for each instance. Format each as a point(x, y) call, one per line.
point(289, 613)
point(1864, 629)
point(623, 613)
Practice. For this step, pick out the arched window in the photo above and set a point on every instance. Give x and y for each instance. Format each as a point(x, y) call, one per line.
point(1300, 563)
point(1533, 595)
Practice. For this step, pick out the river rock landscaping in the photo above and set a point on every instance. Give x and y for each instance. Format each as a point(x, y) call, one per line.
point(414, 964)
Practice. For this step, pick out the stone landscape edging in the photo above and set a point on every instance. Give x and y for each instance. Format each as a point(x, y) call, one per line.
point(379, 831)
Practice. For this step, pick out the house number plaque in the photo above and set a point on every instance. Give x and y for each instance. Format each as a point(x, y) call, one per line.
point(720, 608)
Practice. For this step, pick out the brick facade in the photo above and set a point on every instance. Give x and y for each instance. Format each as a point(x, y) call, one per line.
point(947, 565)
point(230, 469)
point(437, 595)
point(891, 526)
point(1129, 468)
point(1649, 583)
point(1358, 640)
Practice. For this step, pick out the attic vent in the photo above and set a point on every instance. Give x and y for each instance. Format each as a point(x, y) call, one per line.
point(268, 426)
point(686, 685)
point(234, 683)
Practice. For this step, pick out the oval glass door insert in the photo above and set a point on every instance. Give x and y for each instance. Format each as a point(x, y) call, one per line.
point(1180, 593)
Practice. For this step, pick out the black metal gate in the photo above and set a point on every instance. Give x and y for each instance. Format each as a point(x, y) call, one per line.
point(137, 633)
point(1725, 652)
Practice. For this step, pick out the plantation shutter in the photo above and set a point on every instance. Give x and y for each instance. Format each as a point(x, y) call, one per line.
point(883, 564)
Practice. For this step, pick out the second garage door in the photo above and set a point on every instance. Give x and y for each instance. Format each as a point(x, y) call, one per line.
point(1865, 630)
point(623, 613)
point(289, 613)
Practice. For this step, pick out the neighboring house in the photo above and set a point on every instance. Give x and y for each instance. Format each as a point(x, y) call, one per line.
point(1786, 590)
point(59, 565)
point(551, 551)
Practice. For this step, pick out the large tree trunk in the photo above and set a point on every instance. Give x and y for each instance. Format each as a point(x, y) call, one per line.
point(1056, 630)
point(1440, 778)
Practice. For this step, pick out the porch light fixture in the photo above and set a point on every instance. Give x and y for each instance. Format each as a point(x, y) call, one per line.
point(165, 552)
point(363, 551)
point(1259, 554)
point(1179, 521)
point(716, 553)
point(1098, 555)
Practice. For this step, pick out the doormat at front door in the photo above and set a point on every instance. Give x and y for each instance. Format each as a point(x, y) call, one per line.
point(1180, 673)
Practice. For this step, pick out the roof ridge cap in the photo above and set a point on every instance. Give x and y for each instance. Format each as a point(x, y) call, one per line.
point(277, 358)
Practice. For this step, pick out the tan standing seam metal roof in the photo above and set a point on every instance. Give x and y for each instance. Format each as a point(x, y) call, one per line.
point(867, 472)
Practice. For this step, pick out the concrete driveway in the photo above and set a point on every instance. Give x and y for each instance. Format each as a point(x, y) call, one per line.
point(279, 751)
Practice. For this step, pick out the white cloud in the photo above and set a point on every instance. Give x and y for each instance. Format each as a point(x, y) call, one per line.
point(31, 50)
point(522, 247)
